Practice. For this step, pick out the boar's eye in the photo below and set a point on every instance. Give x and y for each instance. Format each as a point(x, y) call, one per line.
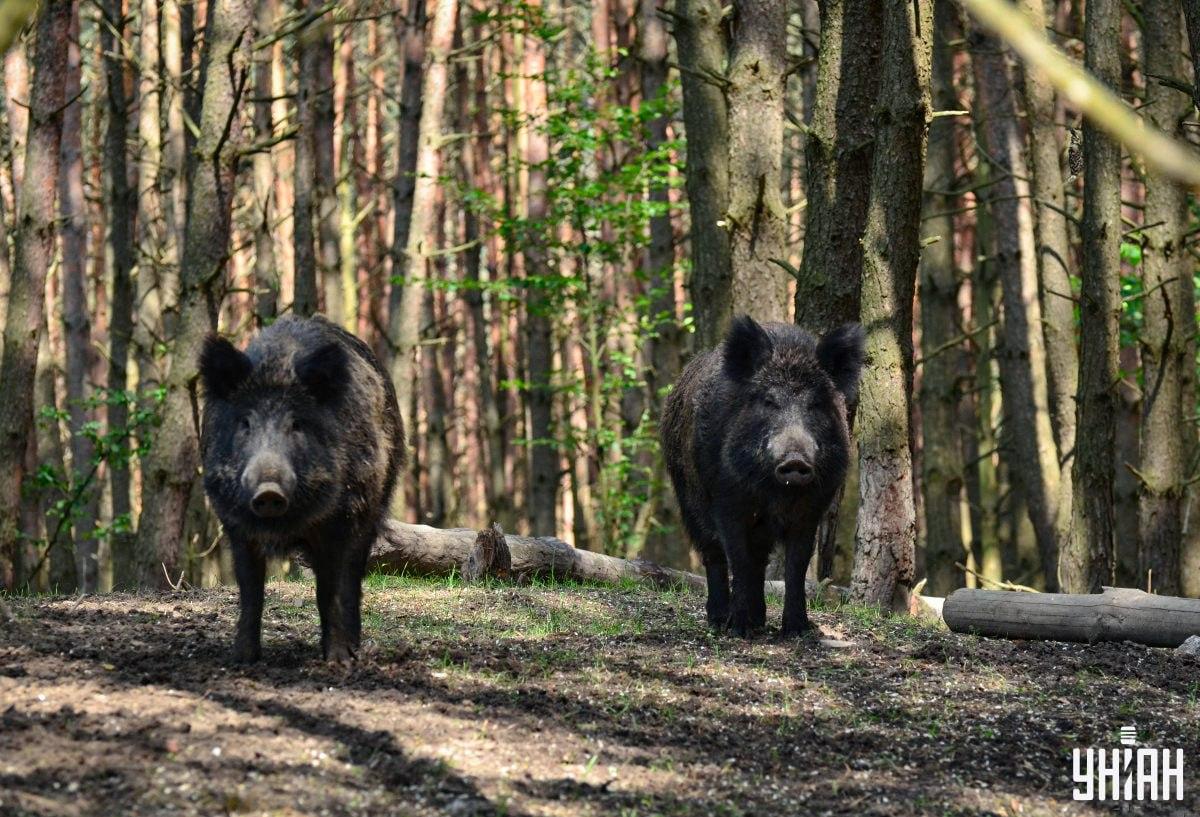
point(243, 423)
point(770, 401)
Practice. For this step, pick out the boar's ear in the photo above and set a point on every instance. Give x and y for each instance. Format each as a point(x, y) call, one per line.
point(747, 348)
point(324, 371)
point(222, 367)
point(840, 353)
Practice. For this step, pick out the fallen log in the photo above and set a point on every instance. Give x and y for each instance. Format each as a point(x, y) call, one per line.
point(427, 551)
point(422, 550)
point(1117, 614)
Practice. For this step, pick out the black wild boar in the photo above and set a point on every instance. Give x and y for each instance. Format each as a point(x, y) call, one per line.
point(756, 441)
point(301, 442)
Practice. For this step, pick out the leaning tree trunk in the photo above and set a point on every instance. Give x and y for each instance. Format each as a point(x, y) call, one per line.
point(120, 210)
point(543, 456)
point(33, 250)
point(885, 541)
point(409, 271)
point(700, 39)
point(1022, 357)
point(77, 324)
point(1166, 274)
point(1087, 559)
point(838, 151)
point(171, 467)
point(756, 217)
point(941, 345)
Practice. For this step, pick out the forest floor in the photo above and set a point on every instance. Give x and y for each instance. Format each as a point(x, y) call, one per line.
point(539, 700)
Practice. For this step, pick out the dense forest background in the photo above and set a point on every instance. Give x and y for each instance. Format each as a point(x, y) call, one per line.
point(536, 213)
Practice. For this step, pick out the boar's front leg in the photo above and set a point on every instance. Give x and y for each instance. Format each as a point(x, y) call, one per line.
point(798, 549)
point(717, 572)
point(250, 567)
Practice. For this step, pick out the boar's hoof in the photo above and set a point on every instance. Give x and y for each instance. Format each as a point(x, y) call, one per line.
point(245, 653)
point(795, 630)
point(339, 652)
point(740, 624)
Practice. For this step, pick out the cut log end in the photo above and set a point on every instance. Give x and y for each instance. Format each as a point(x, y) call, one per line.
point(489, 557)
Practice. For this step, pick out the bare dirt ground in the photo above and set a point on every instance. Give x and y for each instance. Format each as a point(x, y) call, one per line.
point(503, 700)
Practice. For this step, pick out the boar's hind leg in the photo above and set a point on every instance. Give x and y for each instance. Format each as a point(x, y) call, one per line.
point(717, 572)
point(251, 569)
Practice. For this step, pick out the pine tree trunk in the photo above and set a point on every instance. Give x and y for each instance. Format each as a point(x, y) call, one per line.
point(33, 250)
point(319, 47)
point(77, 322)
point(941, 346)
point(838, 151)
point(120, 245)
point(700, 38)
point(543, 456)
point(266, 272)
point(150, 227)
point(1191, 12)
point(170, 469)
point(1166, 275)
point(306, 196)
point(412, 259)
point(665, 347)
point(1022, 355)
point(1087, 559)
point(885, 542)
point(755, 219)
point(1053, 254)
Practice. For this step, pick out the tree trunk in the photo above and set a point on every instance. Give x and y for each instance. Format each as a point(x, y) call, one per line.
point(410, 260)
point(319, 48)
point(77, 322)
point(941, 342)
point(121, 249)
point(838, 151)
point(477, 173)
point(151, 228)
point(33, 247)
point(1022, 356)
point(305, 194)
point(1053, 255)
point(543, 457)
point(1087, 559)
point(665, 346)
point(1191, 12)
point(985, 522)
point(755, 218)
point(885, 542)
point(266, 272)
point(1166, 275)
point(170, 469)
point(700, 38)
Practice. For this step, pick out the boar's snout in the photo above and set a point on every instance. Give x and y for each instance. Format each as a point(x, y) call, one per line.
point(270, 481)
point(795, 469)
point(269, 501)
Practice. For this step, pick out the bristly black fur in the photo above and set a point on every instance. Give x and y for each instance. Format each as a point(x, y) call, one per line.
point(735, 426)
point(308, 413)
point(222, 367)
point(840, 353)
